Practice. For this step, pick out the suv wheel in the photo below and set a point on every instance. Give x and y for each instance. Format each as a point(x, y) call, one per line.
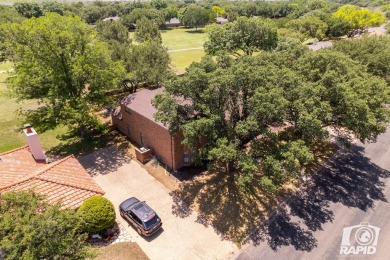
point(139, 231)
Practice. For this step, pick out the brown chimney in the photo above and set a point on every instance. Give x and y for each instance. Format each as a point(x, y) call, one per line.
point(34, 143)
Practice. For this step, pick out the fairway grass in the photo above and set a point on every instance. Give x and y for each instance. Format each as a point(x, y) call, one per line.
point(183, 38)
point(180, 60)
point(184, 46)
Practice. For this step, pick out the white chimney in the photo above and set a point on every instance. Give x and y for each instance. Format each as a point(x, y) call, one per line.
point(34, 143)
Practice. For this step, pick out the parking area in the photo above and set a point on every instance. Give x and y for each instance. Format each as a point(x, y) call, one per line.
point(180, 238)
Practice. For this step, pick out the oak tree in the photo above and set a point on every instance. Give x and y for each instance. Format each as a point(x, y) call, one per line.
point(247, 35)
point(59, 61)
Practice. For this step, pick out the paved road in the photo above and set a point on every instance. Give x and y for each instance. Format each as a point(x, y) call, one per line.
point(353, 188)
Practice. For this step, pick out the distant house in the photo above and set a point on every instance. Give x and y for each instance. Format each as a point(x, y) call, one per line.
point(64, 181)
point(135, 119)
point(221, 20)
point(174, 22)
point(112, 18)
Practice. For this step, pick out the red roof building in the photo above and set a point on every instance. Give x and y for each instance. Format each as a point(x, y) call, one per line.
point(64, 181)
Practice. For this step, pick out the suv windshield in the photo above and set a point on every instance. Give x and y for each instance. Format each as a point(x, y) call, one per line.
point(151, 222)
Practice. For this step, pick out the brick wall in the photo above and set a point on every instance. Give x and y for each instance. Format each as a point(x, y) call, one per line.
point(145, 132)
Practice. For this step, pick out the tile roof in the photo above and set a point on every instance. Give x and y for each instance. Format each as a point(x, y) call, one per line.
point(65, 180)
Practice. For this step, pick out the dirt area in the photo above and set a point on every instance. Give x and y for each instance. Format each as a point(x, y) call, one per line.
point(120, 251)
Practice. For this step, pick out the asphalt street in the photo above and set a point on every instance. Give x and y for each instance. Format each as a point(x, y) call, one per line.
point(353, 188)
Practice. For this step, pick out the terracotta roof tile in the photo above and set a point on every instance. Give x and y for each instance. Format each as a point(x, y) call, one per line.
point(17, 164)
point(65, 180)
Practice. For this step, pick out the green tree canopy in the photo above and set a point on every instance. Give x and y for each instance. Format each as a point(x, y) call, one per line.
point(92, 13)
point(156, 16)
point(149, 63)
point(113, 30)
point(53, 7)
point(310, 26)
point(60, 62)
point(225, 109)
point(371, 51)
point(147, 30)
point(28, 10)
point(246, 34)
point(30, 228)
point(196, 16)
point(117, 37)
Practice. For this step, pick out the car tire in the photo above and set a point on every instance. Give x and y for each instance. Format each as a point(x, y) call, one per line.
point(122, 215)
point(139, 231)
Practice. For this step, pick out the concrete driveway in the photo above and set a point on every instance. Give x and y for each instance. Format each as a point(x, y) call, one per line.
point(180, 238)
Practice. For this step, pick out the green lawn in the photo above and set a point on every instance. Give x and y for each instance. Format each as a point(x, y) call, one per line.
point(184, 46)
point(183, 38)
point(182, 59)
point(11, 123)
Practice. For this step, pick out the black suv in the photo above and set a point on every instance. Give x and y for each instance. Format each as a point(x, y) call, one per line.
point(141, 216)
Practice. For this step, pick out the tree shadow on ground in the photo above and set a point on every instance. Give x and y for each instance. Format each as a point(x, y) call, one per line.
point(99, 154)
point(200, 31)
point(73, 143)
point(104, 161)
point(349, 178)
point(221, 204)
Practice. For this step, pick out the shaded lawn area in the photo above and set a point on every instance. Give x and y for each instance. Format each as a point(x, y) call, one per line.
point(11, 122)
point(120, 251)
point(233, 213)
point(54, 142)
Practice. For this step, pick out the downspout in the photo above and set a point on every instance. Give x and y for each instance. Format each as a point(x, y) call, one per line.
point(172, 153)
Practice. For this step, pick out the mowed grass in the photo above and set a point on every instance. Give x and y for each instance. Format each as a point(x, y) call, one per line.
point(180, 60)
point(11, 123)
point(184, 46)
point(183, 38)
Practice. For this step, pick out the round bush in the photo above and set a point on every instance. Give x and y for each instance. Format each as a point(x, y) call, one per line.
point(97, 213)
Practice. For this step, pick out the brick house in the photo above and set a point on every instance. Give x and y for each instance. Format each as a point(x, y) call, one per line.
point(65, 181)
point(135, 119)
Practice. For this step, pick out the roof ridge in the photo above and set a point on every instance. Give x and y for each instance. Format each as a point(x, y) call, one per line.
point(69, 185)
point(37, 173)
point(13, 150)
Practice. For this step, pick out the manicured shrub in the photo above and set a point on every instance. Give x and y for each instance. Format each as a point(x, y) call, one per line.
point(97, 213)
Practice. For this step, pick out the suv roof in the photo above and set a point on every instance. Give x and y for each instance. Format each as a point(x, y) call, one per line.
point(139, 208)
point(143, 211)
